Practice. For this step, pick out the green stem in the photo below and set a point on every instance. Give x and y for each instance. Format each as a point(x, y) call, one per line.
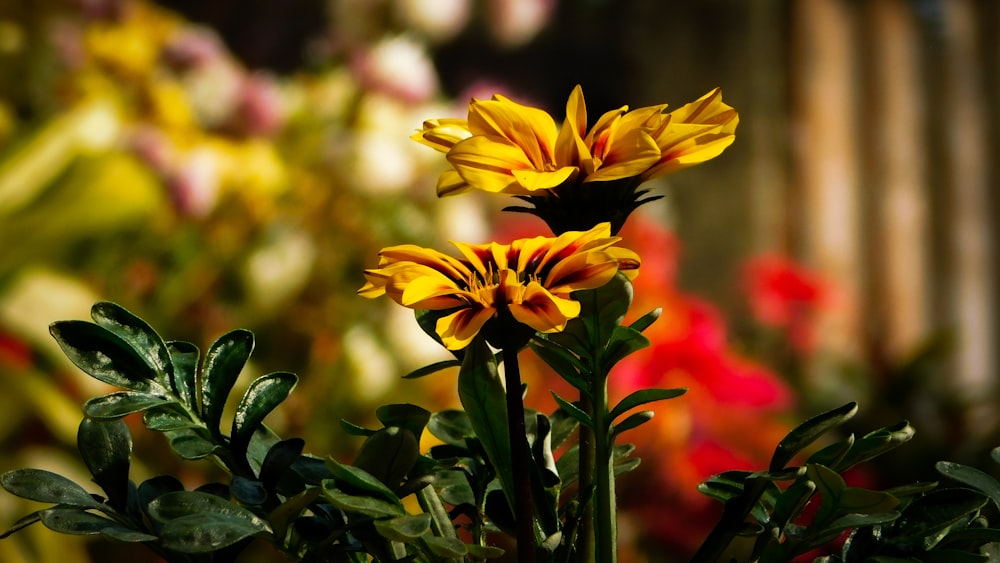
point(585, 547)
point(520, 458)
point(605, 517)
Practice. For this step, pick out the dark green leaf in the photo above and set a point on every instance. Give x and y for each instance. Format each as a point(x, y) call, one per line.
point(357, 480)
point(189, 445)
point(624, 341)
point(404, 528)
point(355, 430)
point(279, 459)
point(121, 403)
point(155, 487)
point(832, 454)
point(632, 421)
point(446, 547)
point(483, 397)
point(404, 415)
point(645, 321)
point(126, 535)
point(184, 357)
point(106, 449)
point(563, 362)
point(935, 511)
point(808, 432)
point(573, 411)
point(563, 426)
point(262, 396)
point(642, 397)
point(875, 444)
point(45, 486)
point(367, 506)
point(451, 427)
point(76, 521)
point(453, 487)
point(175, 506)
point(791, 502)
point(979, 480)
point(389, 454)
point(138, 334)
point(166, 419)
point(204, 533)
point(432, 368)
point(249, 492)
point(103, 355)
point(223, 364)
point(604, 308)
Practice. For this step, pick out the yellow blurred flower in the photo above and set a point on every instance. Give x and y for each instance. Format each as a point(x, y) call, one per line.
point(506, 147)
point(528, 282)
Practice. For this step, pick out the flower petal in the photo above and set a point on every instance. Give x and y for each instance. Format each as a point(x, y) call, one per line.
point(486, 163)
point(531, 129)
point(542, 310)
point(442, 134)
point(459, 328)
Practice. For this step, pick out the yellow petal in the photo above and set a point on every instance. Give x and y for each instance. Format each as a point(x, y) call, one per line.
point(433, 259)
point(486, 163)
point(533, 180)
point(543, 311)
point(459, 328)
point(451, 183)
point(442, 134)
point(429, 292)
point(581, 271)
point(531, 129)
point(629, 154)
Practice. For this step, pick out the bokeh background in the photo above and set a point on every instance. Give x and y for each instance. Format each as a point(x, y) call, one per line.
point(237, 163)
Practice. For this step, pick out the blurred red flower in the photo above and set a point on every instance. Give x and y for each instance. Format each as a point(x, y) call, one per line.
point(785, 295)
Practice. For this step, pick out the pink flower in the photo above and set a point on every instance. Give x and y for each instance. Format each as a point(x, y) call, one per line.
point(785, 295)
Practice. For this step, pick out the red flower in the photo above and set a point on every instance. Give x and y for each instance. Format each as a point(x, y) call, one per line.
point(785, 295)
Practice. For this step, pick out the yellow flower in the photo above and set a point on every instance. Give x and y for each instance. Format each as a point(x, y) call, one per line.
point(506, 147)
point(528, 282)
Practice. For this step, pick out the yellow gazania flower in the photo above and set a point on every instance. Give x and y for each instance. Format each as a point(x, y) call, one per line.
point(529, 280)
point(506, 147)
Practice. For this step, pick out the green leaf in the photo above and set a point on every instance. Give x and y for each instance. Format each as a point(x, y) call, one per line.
point(632, 421)
point(563, 426)
point(808, 432)
point(358, 480)
point(166, 419)
point(364, 505)
point(483, 397)
point(405, 415)
point(75, 521)
point(979, 480)
point(138, 334)
point(573, 411)
point(389, 454)
point(106, 449)
point(184, 356)
point(875, 444)
point(936, 511)
point(563, 362)
point(205, 533)
point(22, 523)
point(45, 486)
point(645, 321)
point(121, 403)
point(451, 427)
point(446, 547)
point(404, 528)
point(604, 308)
point(190, 445)
point(642, 397)
point(103, 355)
point(262, 396)
point(223, 363)
point(432, 368)
point(279, 459)
point(453, 487)
point(624, 341)
point(832, 454)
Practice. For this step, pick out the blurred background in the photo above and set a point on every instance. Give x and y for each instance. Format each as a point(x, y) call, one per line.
point(238, 163)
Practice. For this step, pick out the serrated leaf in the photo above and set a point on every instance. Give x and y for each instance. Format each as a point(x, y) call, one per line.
point(185, 356)
point(404, 528)
point(432, 368)
point(573, 411)
point(106, 449)
point(45, 486)
point(138, 334)
point(642, 397)
point(223, 363)
point(808, 432)
point(261, 397)
point(979, 480)
point(103, 355)
point(122, 403)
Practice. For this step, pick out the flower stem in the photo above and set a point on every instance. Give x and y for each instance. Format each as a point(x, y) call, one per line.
point(605, 517)
point(585, 548)
point(520, 458)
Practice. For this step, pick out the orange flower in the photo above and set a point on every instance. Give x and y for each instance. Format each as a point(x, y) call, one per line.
point(529, 280)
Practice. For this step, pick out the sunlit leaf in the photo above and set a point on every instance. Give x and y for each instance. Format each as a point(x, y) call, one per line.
point(223, 363)
point(808, 432)
point(262, 396)
point(642, 397)
point(138, 334)
point(103, 355)
point(121, 403)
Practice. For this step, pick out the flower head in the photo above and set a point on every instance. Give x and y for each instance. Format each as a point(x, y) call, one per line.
point(573, 176)
point(500, 289)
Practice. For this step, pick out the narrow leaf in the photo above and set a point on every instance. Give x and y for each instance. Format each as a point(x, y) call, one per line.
point(404, 528)
point(645, 321)
point(262, 396)
point(223, 363)
point(808, 432)
point(632, 421)
point(106, 449)
point(184, 356)
point(979, 480)
point(644, 396)
point(573, 411)
point(121, 403)
point(432, 368)
point(138, 334)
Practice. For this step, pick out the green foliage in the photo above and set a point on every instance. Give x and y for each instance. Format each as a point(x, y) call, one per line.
point(919, 522)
